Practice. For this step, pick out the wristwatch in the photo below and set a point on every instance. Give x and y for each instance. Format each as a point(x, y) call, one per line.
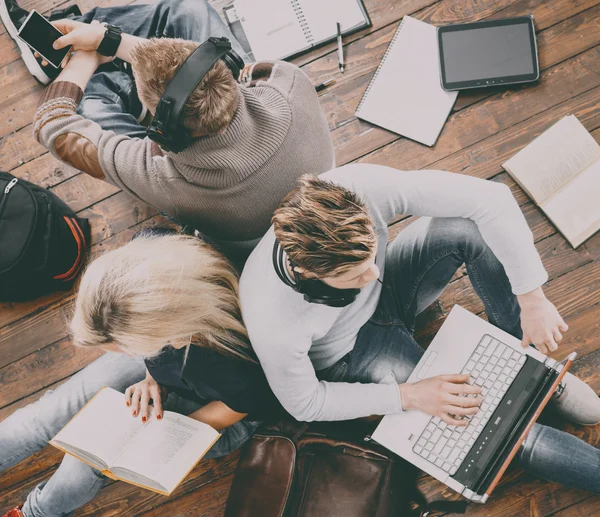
point(111, 41)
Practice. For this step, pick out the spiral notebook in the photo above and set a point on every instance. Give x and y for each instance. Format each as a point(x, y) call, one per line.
point(280, 29)
point(405, 95)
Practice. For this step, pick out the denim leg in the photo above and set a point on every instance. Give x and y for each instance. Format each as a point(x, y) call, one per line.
point(383, 348)
point(560, 457)
point(110, 99)
point(30, 428)
point(193, 20)
point(73, 484)
point(421, 261)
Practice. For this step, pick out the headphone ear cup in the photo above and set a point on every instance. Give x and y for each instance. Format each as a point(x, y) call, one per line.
point(234, 62)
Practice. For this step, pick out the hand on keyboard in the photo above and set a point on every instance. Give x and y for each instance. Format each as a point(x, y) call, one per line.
point(445, 396)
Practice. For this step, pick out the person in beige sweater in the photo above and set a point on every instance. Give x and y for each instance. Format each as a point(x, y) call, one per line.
point(254, 136)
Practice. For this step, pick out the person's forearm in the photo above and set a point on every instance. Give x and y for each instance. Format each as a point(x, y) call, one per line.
point(128, 42)
point(79, 70)
point(218, 415)
point(531, 298)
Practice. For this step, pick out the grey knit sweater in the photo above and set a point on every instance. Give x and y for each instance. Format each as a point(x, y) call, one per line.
point(226, 185)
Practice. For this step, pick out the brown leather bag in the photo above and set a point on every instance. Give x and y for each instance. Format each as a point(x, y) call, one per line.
point(296, 470)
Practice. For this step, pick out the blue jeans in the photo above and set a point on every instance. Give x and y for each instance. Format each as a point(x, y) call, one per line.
point(110, 98)
point(420, 263)
point(75, 483)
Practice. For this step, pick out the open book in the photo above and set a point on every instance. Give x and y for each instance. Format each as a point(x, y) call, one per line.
point(279, 29)
point(156, 455)
point(560, 170)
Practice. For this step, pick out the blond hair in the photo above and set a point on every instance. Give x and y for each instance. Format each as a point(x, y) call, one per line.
point(324, 228)
point(213, 103)
point(159, 290)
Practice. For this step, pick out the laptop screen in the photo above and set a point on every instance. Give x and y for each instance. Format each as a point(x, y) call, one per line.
point(487, 53)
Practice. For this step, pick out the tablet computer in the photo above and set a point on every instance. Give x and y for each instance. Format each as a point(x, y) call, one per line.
point(488, 53)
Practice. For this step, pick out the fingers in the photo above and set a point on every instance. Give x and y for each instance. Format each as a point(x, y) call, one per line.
point(135, 401)
point(462, 389)
point(563, 327)
point(63, 42)
point(65, 25)
point(128, 393)
point(144, 403)
point(551, 344)
point(525, 341)
point(558, 337)
point(463, 402)
point(44, 62)
point(453, 421)
point(455, 379)
point(157, 399)
point(462, 411)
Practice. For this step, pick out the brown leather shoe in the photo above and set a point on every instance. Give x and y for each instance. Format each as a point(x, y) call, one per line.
point(15, 512)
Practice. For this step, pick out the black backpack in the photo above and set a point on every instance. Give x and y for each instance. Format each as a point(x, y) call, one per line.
point(43, 244)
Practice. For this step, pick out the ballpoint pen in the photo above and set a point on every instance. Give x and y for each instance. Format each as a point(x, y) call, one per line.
point(321, 86)
point(340, 48)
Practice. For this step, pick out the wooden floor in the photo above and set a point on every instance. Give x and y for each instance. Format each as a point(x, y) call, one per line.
point(483, 131)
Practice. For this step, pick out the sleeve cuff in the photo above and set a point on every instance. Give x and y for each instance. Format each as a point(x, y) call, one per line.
point(62, 89)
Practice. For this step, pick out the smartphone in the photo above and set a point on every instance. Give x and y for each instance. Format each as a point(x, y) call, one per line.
point(40, 34)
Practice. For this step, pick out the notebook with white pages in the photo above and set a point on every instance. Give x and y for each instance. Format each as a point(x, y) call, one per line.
point(405, 95)
point(560, 171)
point(280, 29)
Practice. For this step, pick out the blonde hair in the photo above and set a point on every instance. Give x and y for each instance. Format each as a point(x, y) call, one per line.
point(213, 103)
point(324, 228)
point(159, 290)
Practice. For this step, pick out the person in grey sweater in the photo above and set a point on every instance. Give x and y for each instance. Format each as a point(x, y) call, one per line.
point(352, 359)
point(253, 138)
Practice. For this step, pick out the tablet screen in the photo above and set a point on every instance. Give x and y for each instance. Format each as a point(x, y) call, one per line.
point(487, 53)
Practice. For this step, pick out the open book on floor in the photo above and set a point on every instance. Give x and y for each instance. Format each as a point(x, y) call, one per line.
point(156, 455)
point(560, 170)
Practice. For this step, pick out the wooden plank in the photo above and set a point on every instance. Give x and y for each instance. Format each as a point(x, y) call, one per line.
point(495, 114)
point(356, 138)
point(209, 501)
point(587, 508)
point(120, 498)
point(48, 365)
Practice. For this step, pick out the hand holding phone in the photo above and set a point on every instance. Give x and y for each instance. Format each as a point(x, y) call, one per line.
point(40, 35)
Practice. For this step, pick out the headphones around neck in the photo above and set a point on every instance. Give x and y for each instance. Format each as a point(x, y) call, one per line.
point(313, 289)
point(167, 128)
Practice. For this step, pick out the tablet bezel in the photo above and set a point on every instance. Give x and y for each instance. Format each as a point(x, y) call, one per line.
point(490, 81)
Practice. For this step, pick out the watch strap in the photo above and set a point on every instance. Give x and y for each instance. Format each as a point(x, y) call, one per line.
point(111, 41)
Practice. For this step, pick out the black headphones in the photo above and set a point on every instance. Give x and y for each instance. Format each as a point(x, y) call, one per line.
point(314, 290)
point(166, 129)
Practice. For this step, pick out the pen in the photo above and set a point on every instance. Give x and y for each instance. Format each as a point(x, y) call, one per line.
point(324, 84)
point(340, 48)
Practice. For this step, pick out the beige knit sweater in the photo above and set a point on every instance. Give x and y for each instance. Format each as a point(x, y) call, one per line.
point(226, 185)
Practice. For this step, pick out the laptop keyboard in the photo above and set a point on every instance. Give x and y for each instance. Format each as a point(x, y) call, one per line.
point(493, 366)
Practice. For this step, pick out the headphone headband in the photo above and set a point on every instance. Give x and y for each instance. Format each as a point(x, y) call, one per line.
point(314, 290)
point(166, 128)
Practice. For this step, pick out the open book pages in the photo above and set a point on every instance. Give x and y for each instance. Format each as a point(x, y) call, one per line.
point(156, 455)
point(560, 170)
point(277, 29)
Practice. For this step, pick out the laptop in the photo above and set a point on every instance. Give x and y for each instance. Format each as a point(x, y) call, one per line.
point(517, 383)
